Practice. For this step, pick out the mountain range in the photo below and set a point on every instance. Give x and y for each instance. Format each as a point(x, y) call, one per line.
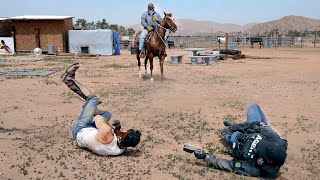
point(283, 25)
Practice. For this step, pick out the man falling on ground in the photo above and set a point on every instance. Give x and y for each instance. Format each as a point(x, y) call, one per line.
point(92, 129)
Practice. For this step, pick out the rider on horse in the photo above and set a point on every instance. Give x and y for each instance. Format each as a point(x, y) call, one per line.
point(150, 21)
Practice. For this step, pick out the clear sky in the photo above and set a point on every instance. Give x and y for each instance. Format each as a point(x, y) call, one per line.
point(128, 12)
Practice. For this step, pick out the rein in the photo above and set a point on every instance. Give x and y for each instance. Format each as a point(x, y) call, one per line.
point(160, 37)
point(170, 30)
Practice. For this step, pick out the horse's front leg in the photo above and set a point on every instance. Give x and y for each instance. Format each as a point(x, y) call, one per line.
point(151, 65)
point(162, 58)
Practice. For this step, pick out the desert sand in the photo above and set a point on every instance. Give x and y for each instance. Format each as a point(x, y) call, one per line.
point(188, 106)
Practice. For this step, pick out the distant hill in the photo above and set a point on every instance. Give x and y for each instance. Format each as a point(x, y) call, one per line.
point(194, 27)
point(286, 24)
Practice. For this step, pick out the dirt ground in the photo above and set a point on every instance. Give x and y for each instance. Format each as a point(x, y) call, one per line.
point(188, 106)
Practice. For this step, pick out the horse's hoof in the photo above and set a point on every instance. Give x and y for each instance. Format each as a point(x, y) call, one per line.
point(140, 74)
point(146, 72)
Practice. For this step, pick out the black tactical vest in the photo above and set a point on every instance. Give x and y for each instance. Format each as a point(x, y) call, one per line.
point(247, 150)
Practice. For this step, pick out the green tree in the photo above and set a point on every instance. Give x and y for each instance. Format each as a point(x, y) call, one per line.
point(114, 27)
point(81, 23)
point(91, 25)
point(102, 24)
point(123, 31)
point(131, 31)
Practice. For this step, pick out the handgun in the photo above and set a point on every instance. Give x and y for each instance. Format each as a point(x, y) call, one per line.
point(189, 149)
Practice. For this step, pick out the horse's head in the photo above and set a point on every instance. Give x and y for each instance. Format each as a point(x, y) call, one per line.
point(169, 22)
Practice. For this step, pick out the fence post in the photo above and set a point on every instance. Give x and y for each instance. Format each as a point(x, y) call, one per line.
point(301, 38)
point(227, 40)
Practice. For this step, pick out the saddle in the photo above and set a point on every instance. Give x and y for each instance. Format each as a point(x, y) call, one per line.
point(162, 50)
point(148, 38)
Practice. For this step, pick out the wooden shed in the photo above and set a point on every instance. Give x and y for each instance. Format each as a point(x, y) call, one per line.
point(4, 28)
point(30, 32)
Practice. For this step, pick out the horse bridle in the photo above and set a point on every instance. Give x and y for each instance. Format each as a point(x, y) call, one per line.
point(170, 30)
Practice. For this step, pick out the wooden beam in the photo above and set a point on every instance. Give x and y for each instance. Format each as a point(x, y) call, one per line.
point(227, 40)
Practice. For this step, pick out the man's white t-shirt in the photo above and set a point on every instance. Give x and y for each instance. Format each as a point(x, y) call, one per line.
point(87, 138)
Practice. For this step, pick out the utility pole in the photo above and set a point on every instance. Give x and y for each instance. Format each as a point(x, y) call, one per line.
point(315, 39)
point(275, 45)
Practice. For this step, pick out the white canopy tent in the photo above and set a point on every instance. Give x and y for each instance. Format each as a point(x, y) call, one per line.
point(91, 41)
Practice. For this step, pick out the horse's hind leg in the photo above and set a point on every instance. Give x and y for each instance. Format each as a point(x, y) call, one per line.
point(139, 64)
point(145, 64)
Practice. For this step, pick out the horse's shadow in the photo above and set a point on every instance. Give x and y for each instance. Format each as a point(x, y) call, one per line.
point(157, 78)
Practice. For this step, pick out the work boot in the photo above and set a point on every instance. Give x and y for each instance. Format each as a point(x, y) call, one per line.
point(142, 54)
point(71, 70)
point(69, 79)
point(228, 123)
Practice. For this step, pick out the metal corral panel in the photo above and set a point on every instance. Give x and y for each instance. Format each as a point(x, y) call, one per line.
point(98, 41)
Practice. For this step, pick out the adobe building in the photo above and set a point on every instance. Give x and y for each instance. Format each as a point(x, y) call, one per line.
point(30, 32)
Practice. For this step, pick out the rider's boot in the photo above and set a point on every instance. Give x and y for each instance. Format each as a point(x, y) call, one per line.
point(142, 54)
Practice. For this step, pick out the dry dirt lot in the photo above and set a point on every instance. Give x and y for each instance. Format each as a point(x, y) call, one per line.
point(188, 106)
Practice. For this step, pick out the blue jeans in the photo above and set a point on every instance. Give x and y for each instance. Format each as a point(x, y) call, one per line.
point(85, 119)
point(254, 114)
point(143, 35)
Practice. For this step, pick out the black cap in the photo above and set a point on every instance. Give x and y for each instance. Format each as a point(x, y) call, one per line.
point(276, 151)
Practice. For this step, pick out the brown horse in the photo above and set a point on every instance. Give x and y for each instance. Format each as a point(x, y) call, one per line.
point(155, 43)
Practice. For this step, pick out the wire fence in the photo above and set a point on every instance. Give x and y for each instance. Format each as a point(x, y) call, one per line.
point(244, 42)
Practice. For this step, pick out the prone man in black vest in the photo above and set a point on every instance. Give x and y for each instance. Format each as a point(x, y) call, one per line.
point(257, 150)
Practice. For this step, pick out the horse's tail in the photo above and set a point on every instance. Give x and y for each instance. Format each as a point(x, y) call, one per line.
point(136, 41)
point(136, 45)
point(137, 38)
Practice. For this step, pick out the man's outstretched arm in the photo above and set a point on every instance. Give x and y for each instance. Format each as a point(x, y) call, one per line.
point(239, 167)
